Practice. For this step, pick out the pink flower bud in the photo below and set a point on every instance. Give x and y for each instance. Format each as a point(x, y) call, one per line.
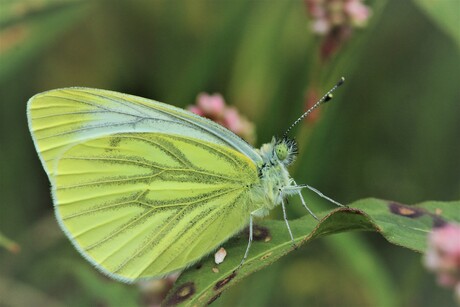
point(321, 26)
point(214, 108)
point(211, 104)
point(196, 110)
point(335, 21)
point(443, 255)
point(232, 120)
point(358, 12)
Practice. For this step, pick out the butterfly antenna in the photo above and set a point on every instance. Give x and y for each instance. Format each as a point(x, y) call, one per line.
point(324, 99)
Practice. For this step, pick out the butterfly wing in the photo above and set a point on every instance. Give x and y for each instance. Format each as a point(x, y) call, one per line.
point(137, 203)
point(61, 118)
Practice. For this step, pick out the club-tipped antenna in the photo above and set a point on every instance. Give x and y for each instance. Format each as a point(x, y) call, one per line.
point(325, 98)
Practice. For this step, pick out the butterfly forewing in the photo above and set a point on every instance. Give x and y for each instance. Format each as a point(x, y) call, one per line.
point(63, 117)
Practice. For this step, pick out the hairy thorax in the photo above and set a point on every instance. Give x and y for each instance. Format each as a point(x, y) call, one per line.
point(274, 176)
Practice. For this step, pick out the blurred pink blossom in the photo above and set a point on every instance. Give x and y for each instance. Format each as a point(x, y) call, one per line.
point(335, 21)
point(357, 12)
point(214, 108)
point(321, 26)
point(232, 120)
point(211, 104)
point(196, 110)
point(443, 256)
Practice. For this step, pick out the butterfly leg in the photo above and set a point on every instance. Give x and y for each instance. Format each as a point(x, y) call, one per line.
point(297, 190)
point(287, 223)
point(249, 242)
point(306, 207)
point(322, 195)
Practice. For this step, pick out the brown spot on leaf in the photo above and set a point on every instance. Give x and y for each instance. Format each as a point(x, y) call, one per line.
point(266, 256)
point(181, 294)
point(224, 281)
point(414, 212)
point(259, 233)
point(403, 210)
point(215, 297)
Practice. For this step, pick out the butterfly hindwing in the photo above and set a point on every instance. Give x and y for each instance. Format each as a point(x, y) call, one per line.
point(146, 204)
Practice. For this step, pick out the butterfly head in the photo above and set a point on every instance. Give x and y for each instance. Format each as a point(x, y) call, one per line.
point(285, 150)
point(279, 150)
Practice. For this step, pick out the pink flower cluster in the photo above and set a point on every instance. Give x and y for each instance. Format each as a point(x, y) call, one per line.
point(329, 14)
point(335, 20)
point(214, 108)
point(443, 256)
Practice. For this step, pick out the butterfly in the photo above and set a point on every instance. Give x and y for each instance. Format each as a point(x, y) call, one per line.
point(144, 189)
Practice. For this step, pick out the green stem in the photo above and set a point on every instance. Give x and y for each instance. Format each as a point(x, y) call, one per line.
point(9, 244)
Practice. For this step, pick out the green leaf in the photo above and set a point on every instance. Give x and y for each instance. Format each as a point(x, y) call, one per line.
point(26, 27)
point(403, 225)
point(445, 13)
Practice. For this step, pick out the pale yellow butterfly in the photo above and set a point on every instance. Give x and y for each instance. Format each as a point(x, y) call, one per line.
point(143, 189)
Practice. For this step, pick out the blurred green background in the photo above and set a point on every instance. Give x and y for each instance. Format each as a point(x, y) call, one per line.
point(392, 132)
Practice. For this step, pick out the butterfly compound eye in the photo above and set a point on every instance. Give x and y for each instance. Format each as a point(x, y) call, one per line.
point(281, 151)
